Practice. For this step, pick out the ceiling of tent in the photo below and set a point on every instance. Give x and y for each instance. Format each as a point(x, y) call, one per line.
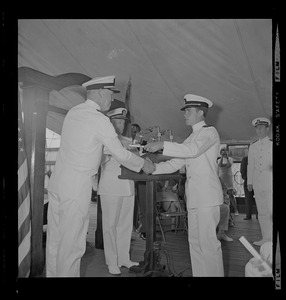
point(228, 61)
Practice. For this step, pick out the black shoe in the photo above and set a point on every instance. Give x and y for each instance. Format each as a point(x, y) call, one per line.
point(247, 218)
point(143, 235)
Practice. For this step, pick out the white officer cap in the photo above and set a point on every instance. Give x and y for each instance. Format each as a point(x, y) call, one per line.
point(106, 82)
point(196, 101)
point(117, 110)
point(261, 121)
point(118, 113)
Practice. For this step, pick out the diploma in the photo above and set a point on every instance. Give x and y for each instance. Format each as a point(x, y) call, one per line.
point(255, 254)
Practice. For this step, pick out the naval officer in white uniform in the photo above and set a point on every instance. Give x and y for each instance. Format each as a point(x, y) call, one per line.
point(203, 189)
point(84, 133)
point(117, 200)
point(259, 177)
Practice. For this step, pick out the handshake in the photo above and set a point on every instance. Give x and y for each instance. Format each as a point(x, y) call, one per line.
point(148, 167)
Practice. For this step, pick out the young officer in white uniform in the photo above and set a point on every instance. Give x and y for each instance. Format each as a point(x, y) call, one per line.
point(85, 131)
point(203, 189)
point(117, 200)
point(259, 177)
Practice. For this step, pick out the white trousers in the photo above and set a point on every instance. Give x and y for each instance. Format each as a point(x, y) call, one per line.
point(68, 221)
point(117, 225)
point(224, 217)
point(264, 202)
point(205, 248)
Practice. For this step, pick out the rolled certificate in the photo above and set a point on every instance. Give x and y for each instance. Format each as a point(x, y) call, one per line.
point(136, 146)
point(255, 254)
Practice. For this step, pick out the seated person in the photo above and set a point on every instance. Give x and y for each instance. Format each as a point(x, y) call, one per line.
point(223, 223)
point(168, 199)
point(224, 217)
point(225, 163)
point(167, 191)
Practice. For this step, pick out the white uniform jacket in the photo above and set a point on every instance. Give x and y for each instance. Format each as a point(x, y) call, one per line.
point(259, 168)
point(85, 131)
point(109, 183)
point(199, 153)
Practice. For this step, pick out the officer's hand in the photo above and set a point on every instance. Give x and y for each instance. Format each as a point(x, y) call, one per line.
point(249, 187)
point(154, 146)
point(149, 166)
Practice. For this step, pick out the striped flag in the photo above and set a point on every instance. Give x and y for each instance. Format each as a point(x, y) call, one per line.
point(24, 214)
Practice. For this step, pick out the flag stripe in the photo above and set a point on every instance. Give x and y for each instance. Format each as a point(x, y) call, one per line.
point(24, 255)
point(24, 247)
point(23, 193)
point(24, 229)
point(24, 210)
point(24, 267)
point(22, 173)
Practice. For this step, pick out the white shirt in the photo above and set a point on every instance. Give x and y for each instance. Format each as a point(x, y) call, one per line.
point(199, 153)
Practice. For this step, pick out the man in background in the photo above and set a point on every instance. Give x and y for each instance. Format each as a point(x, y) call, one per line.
point(259, 177)
point(117, 200)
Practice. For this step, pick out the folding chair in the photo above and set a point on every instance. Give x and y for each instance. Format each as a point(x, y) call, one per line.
point(171, 213)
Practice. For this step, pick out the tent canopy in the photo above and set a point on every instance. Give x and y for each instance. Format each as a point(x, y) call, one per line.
point(228, 61)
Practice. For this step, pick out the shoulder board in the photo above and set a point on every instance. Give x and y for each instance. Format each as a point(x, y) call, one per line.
point(103, 114)
point(254, 142)
point(207, 126)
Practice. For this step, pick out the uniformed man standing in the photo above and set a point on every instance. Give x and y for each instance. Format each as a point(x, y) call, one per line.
point(84, 133)
point(117, 200)
point(259, 177)
point(203, 189)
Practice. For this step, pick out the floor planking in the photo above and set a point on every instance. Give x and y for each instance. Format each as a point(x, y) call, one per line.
point(175, 252)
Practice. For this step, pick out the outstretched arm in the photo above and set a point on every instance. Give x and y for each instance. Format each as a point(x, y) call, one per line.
point(205, 140)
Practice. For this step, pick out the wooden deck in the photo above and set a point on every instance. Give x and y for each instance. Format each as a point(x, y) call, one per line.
point(175, 253)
